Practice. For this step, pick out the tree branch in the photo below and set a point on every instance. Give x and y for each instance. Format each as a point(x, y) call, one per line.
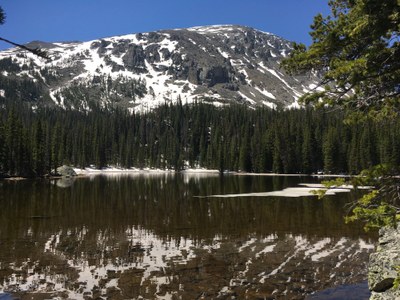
point(37, 51)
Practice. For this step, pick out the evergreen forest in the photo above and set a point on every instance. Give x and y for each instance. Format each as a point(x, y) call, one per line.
point(232, 138)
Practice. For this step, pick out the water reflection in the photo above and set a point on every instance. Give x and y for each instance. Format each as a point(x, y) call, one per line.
point(65, 182)
point(126, 237)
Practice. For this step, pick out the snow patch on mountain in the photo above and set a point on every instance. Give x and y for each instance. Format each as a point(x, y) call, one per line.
point(220, 64)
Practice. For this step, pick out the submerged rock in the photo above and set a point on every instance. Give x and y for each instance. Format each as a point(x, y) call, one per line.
point(382, 265)
point(66, 171)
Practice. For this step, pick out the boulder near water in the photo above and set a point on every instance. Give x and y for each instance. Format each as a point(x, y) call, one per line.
point(66, 171)
point(382, 265)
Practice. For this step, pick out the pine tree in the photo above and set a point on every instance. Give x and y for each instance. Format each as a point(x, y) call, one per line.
point(307, 152)
point(356, 48)
point(38, 148)
point(245, 162)
point(330, 150)
point(276, 154)
point(2, 16)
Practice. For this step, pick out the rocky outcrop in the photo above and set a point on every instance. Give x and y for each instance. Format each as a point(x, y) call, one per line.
point(382, 265)
point(66, 171)
point(134, 59)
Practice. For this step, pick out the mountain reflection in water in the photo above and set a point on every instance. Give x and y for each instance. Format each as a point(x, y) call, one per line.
point(149, 236)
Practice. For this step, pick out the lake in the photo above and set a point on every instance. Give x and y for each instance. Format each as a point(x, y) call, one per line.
point(164, 236)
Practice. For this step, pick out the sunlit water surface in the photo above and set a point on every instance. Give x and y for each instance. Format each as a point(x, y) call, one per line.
point(161, 237)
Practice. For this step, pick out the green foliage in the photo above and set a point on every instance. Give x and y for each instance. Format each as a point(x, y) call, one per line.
point(334, 183)
point(356, 49)
point(329, 184)
point(380, 206)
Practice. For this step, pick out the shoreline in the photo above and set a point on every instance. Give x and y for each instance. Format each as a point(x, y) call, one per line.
point(90, 171)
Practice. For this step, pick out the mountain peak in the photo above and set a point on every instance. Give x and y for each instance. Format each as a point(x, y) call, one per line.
point(220, 64)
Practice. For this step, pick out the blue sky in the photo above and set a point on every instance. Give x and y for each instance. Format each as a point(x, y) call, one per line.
point(82, 20)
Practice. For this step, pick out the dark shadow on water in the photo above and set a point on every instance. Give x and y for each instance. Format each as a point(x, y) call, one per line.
point(357, 291)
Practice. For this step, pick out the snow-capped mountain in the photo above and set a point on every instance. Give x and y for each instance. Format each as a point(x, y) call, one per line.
point(218, 64)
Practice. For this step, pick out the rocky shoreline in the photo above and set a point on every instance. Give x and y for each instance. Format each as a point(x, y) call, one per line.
point(382, 265)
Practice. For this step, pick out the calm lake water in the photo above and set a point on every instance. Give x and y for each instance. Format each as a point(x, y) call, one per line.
point(153, 237)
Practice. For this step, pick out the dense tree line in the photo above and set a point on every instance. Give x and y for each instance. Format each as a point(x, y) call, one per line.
point(356, 48)
point(32, 143)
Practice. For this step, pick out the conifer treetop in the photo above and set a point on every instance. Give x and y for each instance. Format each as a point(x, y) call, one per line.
point(357, 49)
point(2, 16)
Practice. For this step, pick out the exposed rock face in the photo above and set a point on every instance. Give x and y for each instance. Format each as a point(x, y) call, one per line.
point(134, 59)
point(66, 171)
point(219, 64)
point(382, 264)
